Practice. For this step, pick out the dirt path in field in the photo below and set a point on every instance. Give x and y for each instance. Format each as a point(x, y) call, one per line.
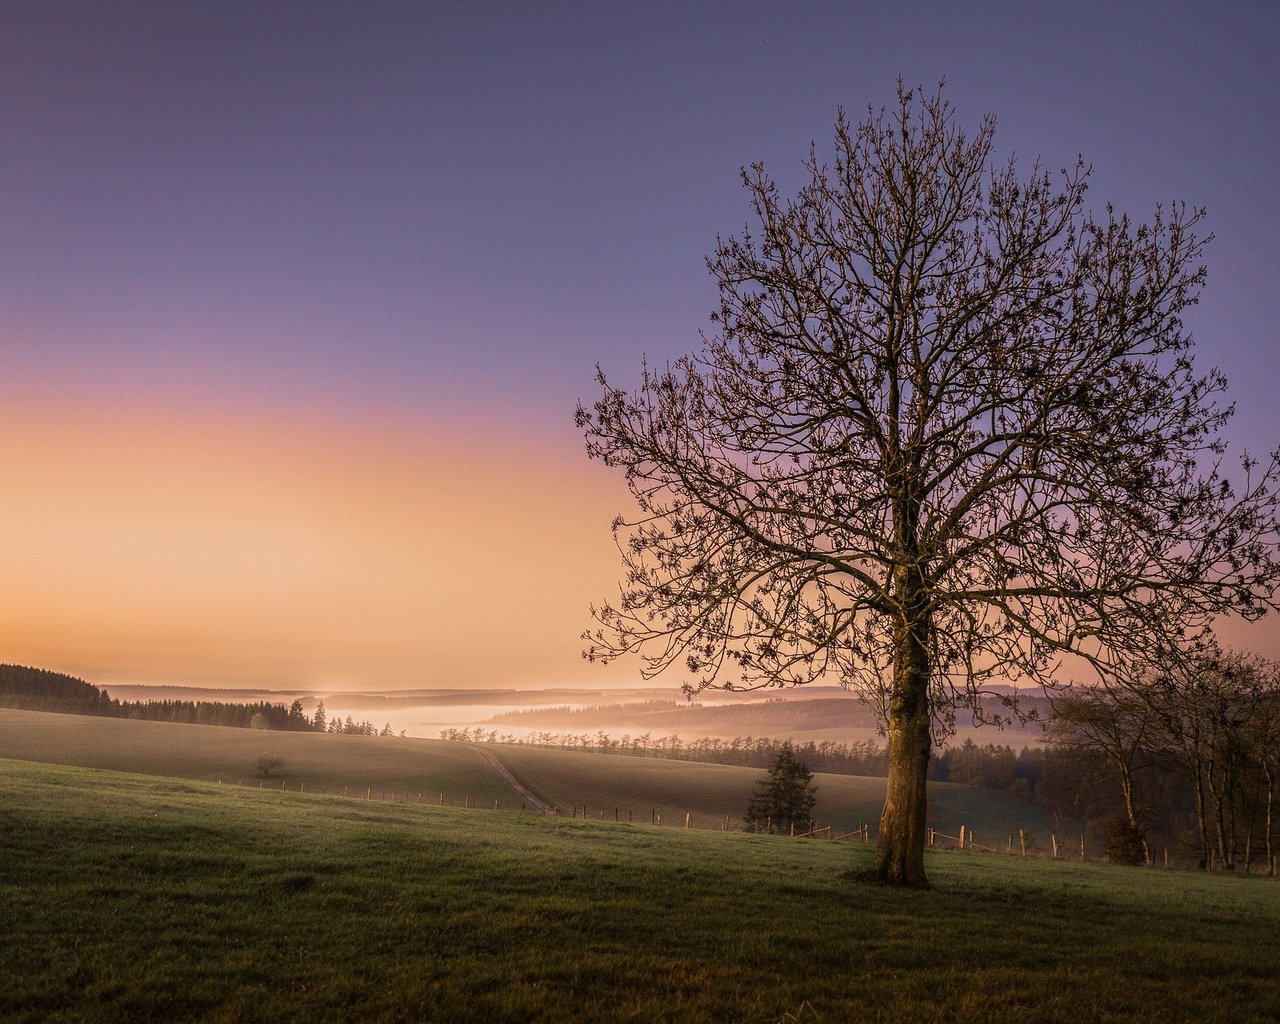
point(511, 780)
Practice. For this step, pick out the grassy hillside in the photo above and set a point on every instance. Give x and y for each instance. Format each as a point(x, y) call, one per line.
point(127, 897)
point(637, 787)
point(214, 753)
point(707, 792)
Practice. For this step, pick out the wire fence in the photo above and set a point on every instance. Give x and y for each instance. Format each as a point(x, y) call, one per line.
point(1018, 843)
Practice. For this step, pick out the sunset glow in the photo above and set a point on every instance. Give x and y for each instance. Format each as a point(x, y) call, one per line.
point(295, 305)
point(146, 544)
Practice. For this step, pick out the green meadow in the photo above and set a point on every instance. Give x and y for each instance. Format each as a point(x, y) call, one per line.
point(609, 786)
point(131, 897)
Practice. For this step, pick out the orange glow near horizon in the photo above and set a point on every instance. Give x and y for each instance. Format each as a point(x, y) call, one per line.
point(144, 545)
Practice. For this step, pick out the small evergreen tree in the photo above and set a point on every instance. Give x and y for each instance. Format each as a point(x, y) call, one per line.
point(784, 799)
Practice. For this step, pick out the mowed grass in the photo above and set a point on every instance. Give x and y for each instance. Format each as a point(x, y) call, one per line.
point(124, 897)
point(632, 788)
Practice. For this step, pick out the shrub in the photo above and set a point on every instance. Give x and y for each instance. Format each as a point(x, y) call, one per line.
point(1126, 843)
point(267, 763)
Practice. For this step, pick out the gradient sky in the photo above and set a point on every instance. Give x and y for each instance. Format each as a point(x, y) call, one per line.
point(296, 300)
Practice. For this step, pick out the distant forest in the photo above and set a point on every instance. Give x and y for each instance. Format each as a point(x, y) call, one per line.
point(990, 766)
point(37, 689)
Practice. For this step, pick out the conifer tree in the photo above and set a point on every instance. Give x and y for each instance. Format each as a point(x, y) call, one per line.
point(785, 799)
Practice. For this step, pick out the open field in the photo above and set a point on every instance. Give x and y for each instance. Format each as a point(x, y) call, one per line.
point(211, 753)
point(635, 787)
point(126, 897)
point(603, 782)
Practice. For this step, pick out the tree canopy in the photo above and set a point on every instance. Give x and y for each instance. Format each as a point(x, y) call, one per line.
point(946, 428)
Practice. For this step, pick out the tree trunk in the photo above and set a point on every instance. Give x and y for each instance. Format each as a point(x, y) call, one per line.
point(900, 845)
point(1202, 819)
point(1126, 787)
point(1271, 795)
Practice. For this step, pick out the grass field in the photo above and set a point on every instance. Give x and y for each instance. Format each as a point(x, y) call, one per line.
point(707, 792)
point(212, 753)
point(635, 787)
point(132, 898)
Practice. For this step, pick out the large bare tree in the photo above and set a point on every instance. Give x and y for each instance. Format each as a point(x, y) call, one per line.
point(946, 427)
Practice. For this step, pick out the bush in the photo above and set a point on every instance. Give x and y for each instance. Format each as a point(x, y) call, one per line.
point(267, 763)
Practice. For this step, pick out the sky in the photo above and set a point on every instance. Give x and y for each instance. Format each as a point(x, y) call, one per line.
point(297, 300)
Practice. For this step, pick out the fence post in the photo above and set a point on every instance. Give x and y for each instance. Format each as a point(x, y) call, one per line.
point(686, 823)
point(1082, 847)
point(1022, 841)
point(962, 837)
point(1053, 838)
point(1010, 850)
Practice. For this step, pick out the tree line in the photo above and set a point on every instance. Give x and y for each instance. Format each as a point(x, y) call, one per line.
point(36, 689)
point(857, 758)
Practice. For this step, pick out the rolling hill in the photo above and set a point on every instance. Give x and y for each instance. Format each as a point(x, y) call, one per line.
point(402, 768)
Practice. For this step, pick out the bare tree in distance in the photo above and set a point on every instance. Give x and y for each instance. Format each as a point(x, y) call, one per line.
point(1120, 724)
point(1209, 707)
point(946, 428)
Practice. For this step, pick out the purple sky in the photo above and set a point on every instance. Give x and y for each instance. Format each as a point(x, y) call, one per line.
point(457, 210)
